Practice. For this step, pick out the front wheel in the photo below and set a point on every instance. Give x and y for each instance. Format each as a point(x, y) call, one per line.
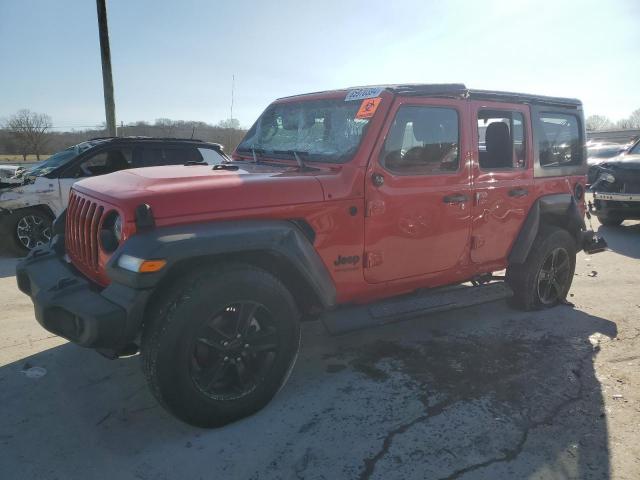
point(545, 278)
point(221, 344)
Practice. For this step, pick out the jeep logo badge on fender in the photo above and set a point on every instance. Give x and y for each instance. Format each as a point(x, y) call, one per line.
point(340, 261)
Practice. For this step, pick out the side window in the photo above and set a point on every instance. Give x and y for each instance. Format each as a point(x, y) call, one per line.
point(501, 140)
point(560, 141)
point(636, 149)
point(211, 156)
point(422, 141)
point(106, 161)
point(157, 155)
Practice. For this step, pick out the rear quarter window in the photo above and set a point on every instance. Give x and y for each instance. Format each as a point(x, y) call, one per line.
point(560, 142)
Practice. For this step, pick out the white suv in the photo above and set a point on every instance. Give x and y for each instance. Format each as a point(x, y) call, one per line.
point(28, 207)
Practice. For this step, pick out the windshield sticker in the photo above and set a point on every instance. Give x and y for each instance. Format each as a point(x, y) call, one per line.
point(368, 108)
point(362, 93)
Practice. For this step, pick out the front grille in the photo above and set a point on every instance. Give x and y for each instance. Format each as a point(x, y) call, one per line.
point(82, 230)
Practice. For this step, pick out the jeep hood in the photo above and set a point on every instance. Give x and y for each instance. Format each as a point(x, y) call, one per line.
point(179, 191)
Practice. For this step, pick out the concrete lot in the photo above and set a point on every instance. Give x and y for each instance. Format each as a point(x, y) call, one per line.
point(485, 392)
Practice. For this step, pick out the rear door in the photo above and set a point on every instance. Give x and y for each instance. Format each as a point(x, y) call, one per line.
point(502, 177)
point(418, 191)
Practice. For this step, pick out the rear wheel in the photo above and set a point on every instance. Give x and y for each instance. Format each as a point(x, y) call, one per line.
point(221, 345)
point(610, 221)
point(545, 278)
point(27, 229)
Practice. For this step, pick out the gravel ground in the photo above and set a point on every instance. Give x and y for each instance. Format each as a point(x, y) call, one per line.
point(484, 392)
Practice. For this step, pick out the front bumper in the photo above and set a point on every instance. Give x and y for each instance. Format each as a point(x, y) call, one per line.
point(69, 305)
point(617, 197)
point(625, 206)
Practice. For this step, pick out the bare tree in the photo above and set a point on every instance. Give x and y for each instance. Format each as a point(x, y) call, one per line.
point(229, 123)
point(30, 131)
point(598, 122)
point(634, 119)
point(167, 126)
point(624, 124)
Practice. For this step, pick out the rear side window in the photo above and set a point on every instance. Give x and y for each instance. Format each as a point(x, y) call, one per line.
point(422, 141)
point(159, 155)
point(560, 142)
point(211, 156)
point(501, 140)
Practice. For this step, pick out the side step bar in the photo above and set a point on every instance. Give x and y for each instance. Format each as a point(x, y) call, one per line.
point(356, 317)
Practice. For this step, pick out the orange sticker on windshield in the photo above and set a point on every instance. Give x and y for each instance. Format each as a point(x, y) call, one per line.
point(368, 107)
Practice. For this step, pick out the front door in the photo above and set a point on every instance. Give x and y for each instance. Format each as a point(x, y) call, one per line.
point(418, 194)
point(502, 177)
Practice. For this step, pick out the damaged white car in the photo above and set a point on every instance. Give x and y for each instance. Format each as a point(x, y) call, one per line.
point(30, 200)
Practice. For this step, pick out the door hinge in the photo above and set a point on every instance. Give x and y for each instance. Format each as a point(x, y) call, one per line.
point(375, 207)
point(476, 242)
point(372, 259)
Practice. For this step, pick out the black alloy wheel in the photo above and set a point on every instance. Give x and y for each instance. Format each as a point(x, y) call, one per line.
point(234, 350)
point(553, 276)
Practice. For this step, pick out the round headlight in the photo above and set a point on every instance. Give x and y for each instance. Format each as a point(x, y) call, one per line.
point(111, 232)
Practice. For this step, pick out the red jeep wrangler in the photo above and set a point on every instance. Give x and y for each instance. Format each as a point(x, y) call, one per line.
point(358, 206)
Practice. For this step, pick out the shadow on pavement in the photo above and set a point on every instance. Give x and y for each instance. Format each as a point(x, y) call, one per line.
point(624, 239)
point(484, 392)
point(8, 266)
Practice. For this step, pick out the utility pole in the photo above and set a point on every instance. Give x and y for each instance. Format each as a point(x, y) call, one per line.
point(233, 81)
point(107, 78)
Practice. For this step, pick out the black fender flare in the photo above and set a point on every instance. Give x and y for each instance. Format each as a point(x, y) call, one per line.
point(281, 238)
point(558, 209)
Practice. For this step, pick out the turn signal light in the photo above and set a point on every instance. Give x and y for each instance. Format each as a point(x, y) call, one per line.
point(140, 265)
point(149, 266)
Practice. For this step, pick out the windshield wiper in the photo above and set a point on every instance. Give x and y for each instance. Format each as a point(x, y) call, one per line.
point(253, 152)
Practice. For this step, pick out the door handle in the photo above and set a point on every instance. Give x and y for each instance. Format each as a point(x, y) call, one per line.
point(518, 192)
point(455, 198)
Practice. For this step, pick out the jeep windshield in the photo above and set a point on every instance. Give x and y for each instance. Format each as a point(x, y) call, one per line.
point(58, 159)
point(318, 130)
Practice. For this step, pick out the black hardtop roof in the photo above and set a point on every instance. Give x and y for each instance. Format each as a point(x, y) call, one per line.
point(459, 90)
point(134, 139)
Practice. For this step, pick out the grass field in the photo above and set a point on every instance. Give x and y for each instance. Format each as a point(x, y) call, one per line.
point(6, 158)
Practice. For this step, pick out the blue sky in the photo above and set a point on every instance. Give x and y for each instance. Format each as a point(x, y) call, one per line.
point(175, 59)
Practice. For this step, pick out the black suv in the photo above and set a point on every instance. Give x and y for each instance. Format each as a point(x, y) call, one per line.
point(28, 207)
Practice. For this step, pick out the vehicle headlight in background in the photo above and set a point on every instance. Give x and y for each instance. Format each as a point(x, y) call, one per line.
point(607, 177)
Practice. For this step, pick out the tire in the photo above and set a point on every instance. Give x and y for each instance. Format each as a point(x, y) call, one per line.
point(610, 221)
point(529, 280)
point(190, 369)
point(26, 229)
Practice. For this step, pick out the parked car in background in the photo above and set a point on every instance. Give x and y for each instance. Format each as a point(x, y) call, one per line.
point(33, 199)
point(598, 153)
point(616, 187)
point(10, 175)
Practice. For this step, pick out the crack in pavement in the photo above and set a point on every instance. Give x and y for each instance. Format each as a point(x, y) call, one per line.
point(512, 454)
point(370, 463)
point(508, 455)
